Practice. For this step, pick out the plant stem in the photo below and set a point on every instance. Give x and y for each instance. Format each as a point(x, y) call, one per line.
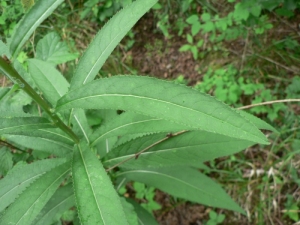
point(7, 69)
point(136, 155)
point(269, 103)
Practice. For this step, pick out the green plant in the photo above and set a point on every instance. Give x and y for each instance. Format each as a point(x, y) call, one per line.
point(215, 218)
point(156, 132)
point(10, 12)
point(146, 194)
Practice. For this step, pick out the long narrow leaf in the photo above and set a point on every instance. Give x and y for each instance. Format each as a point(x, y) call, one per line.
point(107, 39)
point(40, 144)
point(184, 182)
point(97, 201)
point(61, 201)
point(132, 123)
point(188, 149)
point(21, 176)
point(165, 100)
point(55, 135)
point(11, 125)
point(49, 80)
point(37, 14)
point(260, 124)
point(33, 199)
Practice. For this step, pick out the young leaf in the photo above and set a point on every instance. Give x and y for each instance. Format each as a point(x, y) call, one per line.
point(107, 39)
point(40, 144)
point(21, 176)
point(37, 14)
point(49, 80)
point(165, 100)
point(188, 149)
point(184, 182)
point(52, 50)
point(97, 201)
point(132, 123)
point(61, 201)
point(16, 124)
point(33, 199)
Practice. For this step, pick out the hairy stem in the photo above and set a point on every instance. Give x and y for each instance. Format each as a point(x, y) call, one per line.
point(7, 69)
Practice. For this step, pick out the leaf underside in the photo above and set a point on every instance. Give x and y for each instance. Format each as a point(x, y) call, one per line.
point(96, 199)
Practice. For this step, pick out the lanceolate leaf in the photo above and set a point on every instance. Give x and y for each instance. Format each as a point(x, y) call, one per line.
point(55, 135)
point(40, 144)
point(36, 15)
point(11, 125)
point(21, 176)
point(50, 81)
point(184, 182)
point(165, 100)
point(97, 201)
point(132, 123)
point(188, 149)
point(61, 201)
point(260, 124)
point(107, 39)
point(33, 199)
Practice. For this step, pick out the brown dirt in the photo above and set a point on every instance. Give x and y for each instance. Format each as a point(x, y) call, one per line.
point(160, 57)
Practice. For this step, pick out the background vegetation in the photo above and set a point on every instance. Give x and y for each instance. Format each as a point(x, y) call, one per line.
point(243, 52)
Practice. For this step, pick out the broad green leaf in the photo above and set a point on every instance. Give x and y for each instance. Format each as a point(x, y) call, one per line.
point(28, 205)
point(144, 217)
point(61, 201)
point(40, 144)
point(80, 125)
point(164, 100)
point(188, 149)
point(52, 50)
point(31, 20)
point(50, 134)
point(184, 182)
point(96, 199)
point(107, 39)
point(49, 80)
point(132, 123)
point(15, 124)
point(21, 176)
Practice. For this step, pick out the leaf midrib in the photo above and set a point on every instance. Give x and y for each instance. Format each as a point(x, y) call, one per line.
point(91, 185)
point(33, 26)
point(153, 99)
point(63, 174)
